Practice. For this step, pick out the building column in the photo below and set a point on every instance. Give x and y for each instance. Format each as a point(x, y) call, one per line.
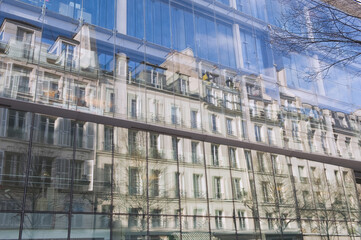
point(121, 16)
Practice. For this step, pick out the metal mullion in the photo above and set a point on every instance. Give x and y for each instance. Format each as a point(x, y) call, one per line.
point(27, 172)
point(232, 190)
point(207, 194)
point(72, 182)
point(124, 123)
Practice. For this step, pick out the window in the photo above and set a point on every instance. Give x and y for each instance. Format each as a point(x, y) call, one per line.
point(337, 178)
point(195, 158)
point(64, 131)
point(46, 128)
point(215, 159)
point(174, 115)
point(214, 122)
point(133, 218)
point(280, 191)
point(156, 218)
point(218, 219)
point(248, 157)
point(26, 37)
point(270, 136)
point(217, 188)
point(244, 129)
point(269, 220)
point(108, 138)
point(134, 181)
point(132, 143)
point(261, 162)
point(257, 130)
point(133, 108)
point(197, 187)
point(323, 142)
point(194, 119)
point(197, 215)
point(154, 146)
point(175, 148)
point(107, 174)
point(237, 188)
point(283, 220)
point(295, 130)
point(241, 220)
point(109, 103)
point(301, 174)
point(277, 166)
point(305, 196)
point(232, 157)
point(1, 165)
point(67, 53)
point(348, 146)
point(265, 188)
point(253, 90)
point(154, 183)
point(229, 126)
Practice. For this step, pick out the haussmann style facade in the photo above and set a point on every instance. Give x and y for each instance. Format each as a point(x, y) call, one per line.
point(170, 120)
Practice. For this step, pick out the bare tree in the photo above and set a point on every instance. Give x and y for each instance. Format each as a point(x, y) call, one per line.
point(329, 28)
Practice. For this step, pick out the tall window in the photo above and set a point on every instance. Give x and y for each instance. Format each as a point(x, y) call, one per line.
point(270, 136)
point(197, 186)
point(241, 219)
point(215, 159)
point(133, 218)
point(217, 188)
point(265, 191)
point(154, 148)
point(195, 158)
point(174, 115)
point(229, 126)
point(67, 52)
point(248, 157)
point(132, 142)
point(295, 130)
point(156, 218)
point(280, 193)
point(194, 117)
point(108, 138)
point(232, 157)
point(154, 183)
point(269, 220)
point(25, 36)
point(218, 219)
point(237, 188)
point(214, 122)
point(175, 148)
point(133, 108)
point(257, 131)
point(261, 162)
point(134, 181)
point(244, 129)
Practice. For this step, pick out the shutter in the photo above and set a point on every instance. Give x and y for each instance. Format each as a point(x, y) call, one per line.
point(89, 172)
point(42, 85)
point(15, 86)
point(8, 72)
point(3, 121)
point(1, 165)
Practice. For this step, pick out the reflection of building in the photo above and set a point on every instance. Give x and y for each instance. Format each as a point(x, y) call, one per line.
point(99, 142)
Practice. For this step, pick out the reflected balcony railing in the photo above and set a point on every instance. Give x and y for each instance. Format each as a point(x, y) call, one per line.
point(199, 194)
point(156, 153)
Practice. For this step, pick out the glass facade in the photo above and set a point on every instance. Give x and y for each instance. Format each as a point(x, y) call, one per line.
point(164, 119)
